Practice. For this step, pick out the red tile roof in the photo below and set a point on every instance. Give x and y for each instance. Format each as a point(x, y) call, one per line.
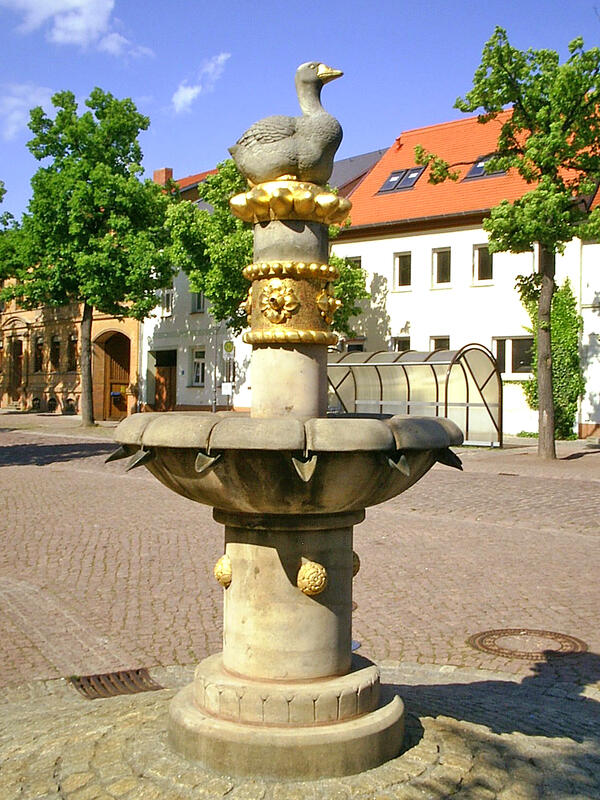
point(194, 180)
point(463, 140)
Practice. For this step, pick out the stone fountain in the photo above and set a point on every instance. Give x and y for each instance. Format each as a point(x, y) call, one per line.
point(286, 697)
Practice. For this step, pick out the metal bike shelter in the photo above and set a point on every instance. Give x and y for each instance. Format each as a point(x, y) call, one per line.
point(463, 385)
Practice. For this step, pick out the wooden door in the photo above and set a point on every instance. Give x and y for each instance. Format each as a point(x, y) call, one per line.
point(116, 376)
point(165, 391)
point(16, 369)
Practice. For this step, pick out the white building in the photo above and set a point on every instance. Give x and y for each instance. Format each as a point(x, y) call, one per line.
point(188, 361)
point(434, 283)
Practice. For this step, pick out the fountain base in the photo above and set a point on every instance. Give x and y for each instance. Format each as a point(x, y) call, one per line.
point(288, 751)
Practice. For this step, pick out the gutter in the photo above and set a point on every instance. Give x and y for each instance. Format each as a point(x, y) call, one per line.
point(412, 223)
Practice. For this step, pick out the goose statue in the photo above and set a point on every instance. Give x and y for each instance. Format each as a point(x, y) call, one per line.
point(293, 148)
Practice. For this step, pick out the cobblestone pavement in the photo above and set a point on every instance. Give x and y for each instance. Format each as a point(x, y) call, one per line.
point(102, 571)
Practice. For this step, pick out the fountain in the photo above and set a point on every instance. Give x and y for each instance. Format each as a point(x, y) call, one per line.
point(286, 698)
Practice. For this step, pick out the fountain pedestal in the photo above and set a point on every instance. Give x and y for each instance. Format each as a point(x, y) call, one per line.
point(285, 698)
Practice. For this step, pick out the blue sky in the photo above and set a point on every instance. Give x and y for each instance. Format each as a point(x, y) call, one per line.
point(204, 72)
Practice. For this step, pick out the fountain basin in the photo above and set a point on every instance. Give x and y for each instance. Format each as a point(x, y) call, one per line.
point(286, 465)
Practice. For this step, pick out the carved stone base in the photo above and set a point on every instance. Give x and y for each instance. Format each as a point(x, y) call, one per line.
point(238, 698)
point(287, 751)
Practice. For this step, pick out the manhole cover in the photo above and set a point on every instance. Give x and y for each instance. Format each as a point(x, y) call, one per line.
point(111, 684)
point(526, 643)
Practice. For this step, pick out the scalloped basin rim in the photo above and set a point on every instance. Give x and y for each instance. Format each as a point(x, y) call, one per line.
point(233, 431)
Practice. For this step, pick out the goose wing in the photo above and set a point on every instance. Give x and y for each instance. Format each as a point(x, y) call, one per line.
point(268, 131)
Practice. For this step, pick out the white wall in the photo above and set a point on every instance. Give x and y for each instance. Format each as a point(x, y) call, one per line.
point(185, 331)
point(470, 311)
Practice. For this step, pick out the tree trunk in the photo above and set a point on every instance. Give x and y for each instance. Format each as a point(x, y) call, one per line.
point(87, 405)
point(546, 446)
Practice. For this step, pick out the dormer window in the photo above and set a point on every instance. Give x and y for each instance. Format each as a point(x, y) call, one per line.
point(402, 179)
point(478, 169)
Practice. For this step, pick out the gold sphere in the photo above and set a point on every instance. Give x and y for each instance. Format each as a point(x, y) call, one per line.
point(312, 578)
point(222, 571)
point(355, 563)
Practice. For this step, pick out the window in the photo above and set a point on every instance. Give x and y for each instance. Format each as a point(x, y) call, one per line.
point(478, 169)
point(166, 302)
point(198, 305)
point(72, 353)
point(522, 354)
point(441, 266)
point(400, 344)
point(198, 367)
point(38, 354)
point(55, 353)
point(402, 179)
point(440, 343)
point(514, 355)
point(402, 269)
point(482, 263)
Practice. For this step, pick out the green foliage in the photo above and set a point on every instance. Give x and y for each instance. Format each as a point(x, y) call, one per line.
point(440, 170)
point(93, 233)
point(551, 138)
point(350, 287)
point(567, 379)
point(214, 247)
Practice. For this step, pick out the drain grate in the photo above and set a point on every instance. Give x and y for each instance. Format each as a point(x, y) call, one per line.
point(538, 643)
point(111, 684)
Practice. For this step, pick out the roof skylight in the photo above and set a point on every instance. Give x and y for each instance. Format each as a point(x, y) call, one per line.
point(478, 169)
point(402, 179)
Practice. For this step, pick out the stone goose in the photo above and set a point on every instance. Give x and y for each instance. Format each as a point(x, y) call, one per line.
point(300, 148)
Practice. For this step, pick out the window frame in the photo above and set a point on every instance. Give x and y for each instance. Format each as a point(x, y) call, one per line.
point(38, 354)
point(435, 254)
point(72, 354)
point(477, 171)
point(396, 340)
point(55, 354)
point(167, 301)
point(508, 356)
point(434, 339)
point(202, 362)
point(403, 180)
point(477, 281)
point(198, 302)
point(402, 287)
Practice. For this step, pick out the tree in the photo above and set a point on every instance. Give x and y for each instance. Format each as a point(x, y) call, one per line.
point(213, 247)
point(94, 234)
point(552, 139)
point(567, 379)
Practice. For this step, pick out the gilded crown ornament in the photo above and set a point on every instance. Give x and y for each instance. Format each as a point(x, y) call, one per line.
point(312, 578)
point(223, 571)
point(278, 302)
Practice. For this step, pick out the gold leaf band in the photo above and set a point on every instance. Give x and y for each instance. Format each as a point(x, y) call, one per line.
point(289, 336)
point(290, 269)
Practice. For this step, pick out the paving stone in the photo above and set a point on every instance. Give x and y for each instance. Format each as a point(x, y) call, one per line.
point(107, 591)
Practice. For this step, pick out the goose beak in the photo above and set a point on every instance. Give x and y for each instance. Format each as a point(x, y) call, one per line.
point(327, 74)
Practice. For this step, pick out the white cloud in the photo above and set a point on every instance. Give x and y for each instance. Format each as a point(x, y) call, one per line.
point(16, 101)
point(184, 97)
point(118, 45)
point(79, 22)
point(208, 74)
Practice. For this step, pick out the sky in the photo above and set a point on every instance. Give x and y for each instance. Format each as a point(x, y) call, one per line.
point(205, 71)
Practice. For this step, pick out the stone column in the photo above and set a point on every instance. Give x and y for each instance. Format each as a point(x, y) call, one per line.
point(286, 698)
point(272, 630)
point(291, 303)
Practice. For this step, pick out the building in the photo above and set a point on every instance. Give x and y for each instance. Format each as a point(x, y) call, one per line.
point(188, 360)
point(39, 361)
point(435, 285)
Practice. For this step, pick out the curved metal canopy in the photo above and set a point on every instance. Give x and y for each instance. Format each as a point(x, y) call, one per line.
point(463, 385)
